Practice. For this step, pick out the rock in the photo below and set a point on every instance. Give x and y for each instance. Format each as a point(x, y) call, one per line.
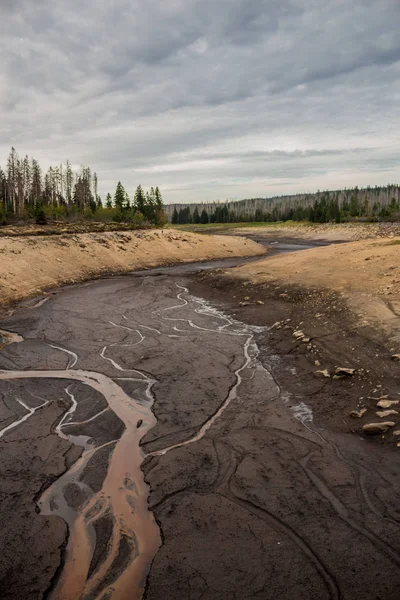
point(323, 373)
point(386, 403)
point(396, 357)
point(244, 303)
point(298, 334)
point(375, 428)
point(317, 363)
point(357, 414)
point(305, 340)
point(397, 432)
point(260, 302)
point(275, 324)
point(386, 413)
point(343, 372)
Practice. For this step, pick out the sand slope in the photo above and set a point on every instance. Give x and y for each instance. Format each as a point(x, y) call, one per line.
point(366, 272)
point(28, 265)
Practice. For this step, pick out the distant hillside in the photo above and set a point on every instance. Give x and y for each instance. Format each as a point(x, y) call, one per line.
point(369, 203)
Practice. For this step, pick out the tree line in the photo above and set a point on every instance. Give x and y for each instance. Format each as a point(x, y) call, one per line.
point(369, 204)
point(26, 191)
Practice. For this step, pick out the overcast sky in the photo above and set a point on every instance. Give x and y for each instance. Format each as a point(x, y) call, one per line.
point(209, 99)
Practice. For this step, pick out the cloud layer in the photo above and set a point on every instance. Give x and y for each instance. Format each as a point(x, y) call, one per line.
point(210, 100)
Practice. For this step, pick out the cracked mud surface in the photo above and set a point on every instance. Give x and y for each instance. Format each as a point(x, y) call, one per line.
point(252, 501)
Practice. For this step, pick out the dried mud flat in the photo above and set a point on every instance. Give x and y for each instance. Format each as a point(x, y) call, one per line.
point(255, 484)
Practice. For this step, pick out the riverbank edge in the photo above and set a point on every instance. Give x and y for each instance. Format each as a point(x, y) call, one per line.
point(32, 266)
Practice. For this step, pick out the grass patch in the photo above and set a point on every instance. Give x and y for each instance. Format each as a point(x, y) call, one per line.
point(216, 227)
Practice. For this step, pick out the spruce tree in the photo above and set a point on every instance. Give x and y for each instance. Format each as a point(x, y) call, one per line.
point(119, 196)
point(196, 216)
point(140, 200)
point(108, 200)
point(175, 217)
point(159, 207)
point(158, 196)
point(204, 217)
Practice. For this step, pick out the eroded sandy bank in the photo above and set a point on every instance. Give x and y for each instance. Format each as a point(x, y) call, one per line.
point(366, 273)
point(30, 265)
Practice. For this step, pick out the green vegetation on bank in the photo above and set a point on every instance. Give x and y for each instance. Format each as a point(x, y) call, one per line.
point(62, 194)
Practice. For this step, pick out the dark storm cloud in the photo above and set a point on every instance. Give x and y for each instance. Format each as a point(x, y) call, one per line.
point(208, 99)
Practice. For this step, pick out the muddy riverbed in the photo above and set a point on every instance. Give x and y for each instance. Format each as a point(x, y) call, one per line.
point(148, 447)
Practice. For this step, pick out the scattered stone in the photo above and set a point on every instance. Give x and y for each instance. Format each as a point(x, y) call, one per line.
point(343, 372)
point(244, 303)
point(375, 428)
point(323, 373)
point(275, 324)
point(305, 340)
point(298, 334)
point(396, 357)
point(357, 414)
point(386, 403)
point(386, 413)
point(397, 432)
point(247, 297)
point(317, 363)
point(260, 302)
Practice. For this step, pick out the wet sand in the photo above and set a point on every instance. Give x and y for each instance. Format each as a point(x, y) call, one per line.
point(253, 492)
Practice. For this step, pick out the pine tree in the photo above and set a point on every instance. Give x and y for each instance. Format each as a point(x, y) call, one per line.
point(196, 216)
point(140, 200)
point(119, 196)
point(204, 216)
point(159, 208)
point(175, 217)
point(108, 200)
point(158, 196)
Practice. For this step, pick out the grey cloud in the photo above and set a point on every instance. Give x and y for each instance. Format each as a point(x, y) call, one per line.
point(206, 98)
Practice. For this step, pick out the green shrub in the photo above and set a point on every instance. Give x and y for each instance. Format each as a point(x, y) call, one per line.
point(40, 216)
point(3, 219)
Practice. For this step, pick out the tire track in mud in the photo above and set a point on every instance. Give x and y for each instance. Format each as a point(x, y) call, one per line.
point(224, 488)
point(343, 513)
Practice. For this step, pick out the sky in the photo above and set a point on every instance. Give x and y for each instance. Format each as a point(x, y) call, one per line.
point(209, 99)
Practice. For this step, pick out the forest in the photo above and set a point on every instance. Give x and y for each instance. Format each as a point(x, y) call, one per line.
point(365, 204)
point(26, 192)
